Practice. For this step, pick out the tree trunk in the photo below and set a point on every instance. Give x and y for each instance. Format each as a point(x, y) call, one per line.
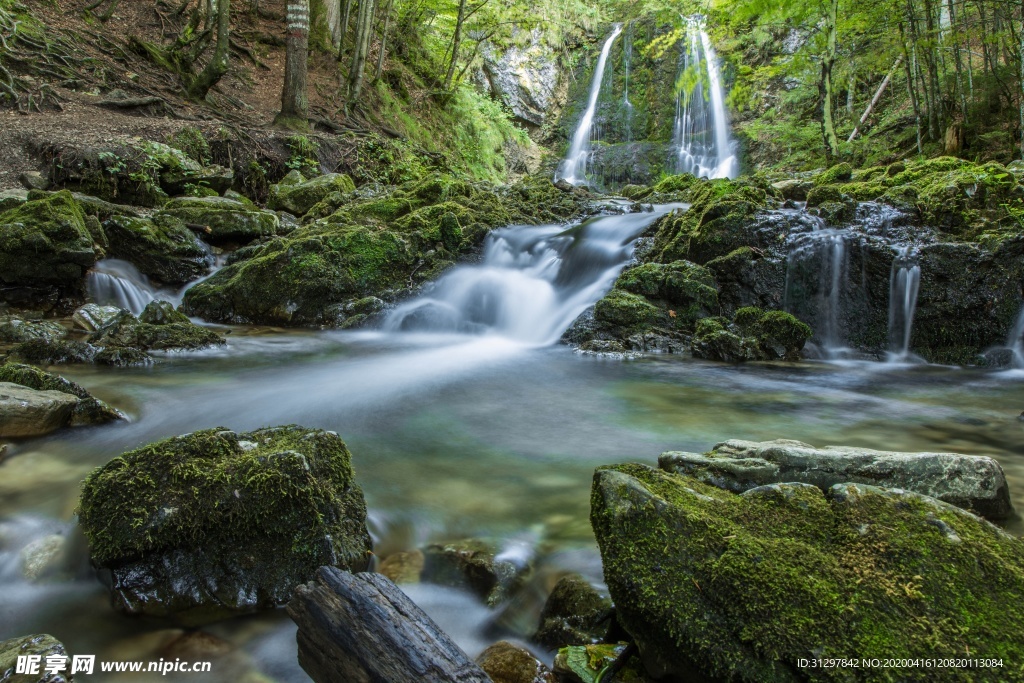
point(874, 100)
point(294, 105)
point(218, 65)
point(364, 29)
point(828, 129)
point(383, 40)
point(911, 89)
point(361, 627)
point(346, 14)
point(456, 41)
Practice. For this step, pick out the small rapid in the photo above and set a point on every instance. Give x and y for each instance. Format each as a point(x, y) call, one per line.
point(532, 283)
point(904, 284)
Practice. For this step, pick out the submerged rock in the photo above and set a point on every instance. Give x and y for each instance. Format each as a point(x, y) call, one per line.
point(41, 646)
point(971, 482)
point(505, 662)
point(575, 614)
point(28, 412)
point(213, 524)
point(89, 410)
point(61, 352)
point(473, 564)
point(158, 328)
point(750, 587)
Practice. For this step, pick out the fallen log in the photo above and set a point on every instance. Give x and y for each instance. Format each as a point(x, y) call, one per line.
point(362, 627)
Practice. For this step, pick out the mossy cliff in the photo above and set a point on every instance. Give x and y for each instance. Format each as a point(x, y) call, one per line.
point(715, 585)
point(184, 527)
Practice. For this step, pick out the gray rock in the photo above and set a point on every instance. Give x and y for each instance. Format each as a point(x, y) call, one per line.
point(223, 219)
point(524, 78)
point(299, 197)
point(42, 646)
point(89, 410)
point(12, 198)
point(506, 662)
point(473, 564)
point(26, 412)
point(793, 188)
point(34, 180)
point(971, 482)
point(92, 317)
point(16, 330)
point(575, 614)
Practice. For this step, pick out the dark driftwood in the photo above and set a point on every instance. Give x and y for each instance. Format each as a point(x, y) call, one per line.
point(361, 628)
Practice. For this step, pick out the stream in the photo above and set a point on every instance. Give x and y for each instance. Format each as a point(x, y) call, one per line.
point(465, 418)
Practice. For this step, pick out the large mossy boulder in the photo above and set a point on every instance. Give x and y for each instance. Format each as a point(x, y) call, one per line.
point(88, 411)
point(755, 587)
point(213, 524)
point(45, 250)
point(14, 330)
point(158, 328)
point(161, 247)
point(222, 219)
point(41, 646)
point(296, 195)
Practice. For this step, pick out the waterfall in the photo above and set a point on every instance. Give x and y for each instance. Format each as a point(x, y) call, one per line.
point(904, 283)
point(574, 166)
point(818, 263)
point(533, 282)
point(701, 130)
point(113, 282)
point(627, 61)
point(1015, 341)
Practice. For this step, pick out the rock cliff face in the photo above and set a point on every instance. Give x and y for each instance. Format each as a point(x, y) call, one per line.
point(525, 79)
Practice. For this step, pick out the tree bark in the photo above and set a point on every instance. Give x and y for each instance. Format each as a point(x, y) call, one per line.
point(218, 64)
point(828, 129)
point(456, 41)
point(346, 14)
point(383, 40)
point(361, 627)
point(294, 104)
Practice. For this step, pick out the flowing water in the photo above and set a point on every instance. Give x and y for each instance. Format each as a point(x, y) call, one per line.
point(1015, 341)
point(465, 419)
point(113, 282)
point(573, 167)
point(903, 287)
point(701, 135)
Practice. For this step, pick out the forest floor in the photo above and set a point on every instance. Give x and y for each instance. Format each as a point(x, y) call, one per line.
point(248, 97)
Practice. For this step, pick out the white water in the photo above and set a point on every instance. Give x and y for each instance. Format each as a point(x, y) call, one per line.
point(1015, 341)
point(574, 166)
point(533, 281)
point(701, 132)
point(904, 283)
point(113, 282)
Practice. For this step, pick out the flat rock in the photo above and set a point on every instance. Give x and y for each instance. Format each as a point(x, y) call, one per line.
point(27, 412)
point(972, 482)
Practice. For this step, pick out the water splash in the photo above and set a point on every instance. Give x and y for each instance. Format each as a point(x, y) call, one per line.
point(1015, 341)
point(701, 130)
point(573, 167)
point(113, 282)
point(904, 283)
point(533, 281)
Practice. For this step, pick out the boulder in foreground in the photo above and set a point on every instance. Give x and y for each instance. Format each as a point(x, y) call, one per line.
point(745, 587)
point(42, 646)
point(214, 523)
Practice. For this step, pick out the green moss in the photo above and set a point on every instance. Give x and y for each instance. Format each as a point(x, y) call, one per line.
point(161, 247)
point(42, 352)
point(299, 198)
point(625, 310)
point(45, 242)
point(840, 173)
point(89, 410)
point(821, 194)
point(222, 219)
point(192, 143)
point(741, 587)
point(285, 493)
point(686, 288)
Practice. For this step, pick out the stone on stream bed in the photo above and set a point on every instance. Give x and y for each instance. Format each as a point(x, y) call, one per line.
point(212, 524)
point(575, 614)
point(507, 662)
point(744, 587)
point(158, 328)
point(16, 330)
point(475, 565)
point(41, 646)
point(27, 412)
point(971, 482)
point(88, 410)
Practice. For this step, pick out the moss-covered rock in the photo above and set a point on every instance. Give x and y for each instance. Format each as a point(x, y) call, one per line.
point(590, 663)
point(624, 310)
point(158, 328)
point(89, 409)
point(715, 585)
point(161, 247)
point(14, 330)
point(686, 288)
point(299, 197)
point(574, 614)
point(41, 646)
point(720, 219)
point(839, 173)
point(505, 662)
point(222, 219)
point(749, 277)
point(754, 334)
point(60, 352)
point(45, 248)
point(213, 524)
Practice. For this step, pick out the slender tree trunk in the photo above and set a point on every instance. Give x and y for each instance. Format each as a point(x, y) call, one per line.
point(911, 89)
point(456, 41)
point(383, 40)
point(878, 96)
point(361, 46)
point(1020, 76)
point(828, 129)
point(958, 58)
point(346, 14)
point(218, 64)
point(294, 105)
